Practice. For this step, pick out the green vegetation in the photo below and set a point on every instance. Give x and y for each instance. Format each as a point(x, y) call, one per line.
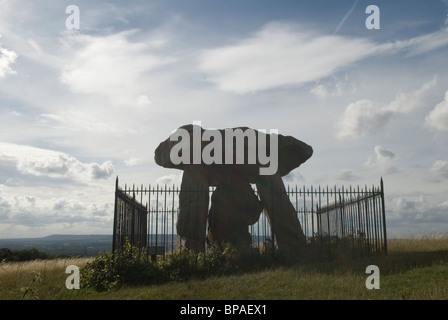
point(130, 267)
point(415, 268)
point(8, 255)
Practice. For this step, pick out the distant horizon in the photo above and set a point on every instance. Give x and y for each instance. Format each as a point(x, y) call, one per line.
point(53, 235)
point(389, 236)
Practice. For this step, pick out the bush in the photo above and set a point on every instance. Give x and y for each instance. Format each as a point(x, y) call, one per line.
point(5, 254)
point(219, 260)
point(127, 266)
point(130, 266)
point(179, 266)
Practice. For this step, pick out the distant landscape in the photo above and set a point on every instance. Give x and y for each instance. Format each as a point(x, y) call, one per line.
point(86, 245)
point(73, 245)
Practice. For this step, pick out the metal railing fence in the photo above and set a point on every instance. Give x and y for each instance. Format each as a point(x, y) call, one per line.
point(337, 219)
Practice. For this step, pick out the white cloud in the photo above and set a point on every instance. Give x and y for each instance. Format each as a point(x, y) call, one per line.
point(418, 45)
point(366, 116)
point(278, 55)
point(169, 180)
point(383, 161)
point(40, 211)
point(323, 92)
point(437, 119)
point(361, 117)
point(78, 120)
point(282, 54)
point(143, 101)
point(64, 204)
point(7, 58)
point(439, 171)
point(405, 102)
point(428, 42)
point(111, 65)
point(53, 164)
point(416, 212)
point(134, 161)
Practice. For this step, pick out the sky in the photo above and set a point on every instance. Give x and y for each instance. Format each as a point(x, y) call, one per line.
point(81, 105)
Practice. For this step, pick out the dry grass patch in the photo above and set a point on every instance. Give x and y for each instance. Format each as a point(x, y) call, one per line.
point(37, 276)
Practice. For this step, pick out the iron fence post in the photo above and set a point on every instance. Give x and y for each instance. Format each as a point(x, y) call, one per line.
point(384, 215)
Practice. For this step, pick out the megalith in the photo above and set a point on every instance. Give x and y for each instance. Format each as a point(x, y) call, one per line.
point(234, 205)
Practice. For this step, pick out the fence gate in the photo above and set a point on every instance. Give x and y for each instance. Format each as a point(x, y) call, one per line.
point(355, 221)
point(130, 220)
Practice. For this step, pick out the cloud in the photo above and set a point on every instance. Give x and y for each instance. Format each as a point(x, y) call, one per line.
point(284, 54)
point(417, 205)
point(407, 102)
point(7, 58)
point(65, 204)
point(134, 162)
point(366, 116)
point(323, 91)
point(280, 54)
point(347, 175)
point(78, 120)
point(143, 101)
point(37, 212)
point(48, 163)
point(418, 45)
point(383, 161)
point(437, 119)
point(294, 177)
point(409, 213)
point(111, 66)
point(427, 42)
point(169, 180)
point(361, 117)
point(439, 171)
point(100, 171)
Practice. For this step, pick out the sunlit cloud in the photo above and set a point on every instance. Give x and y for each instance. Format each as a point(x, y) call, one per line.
point(134, 162)
point(366, 116)
point(437, 119)
point(53, 164)
point(280, 54)
point(111, 66)
point(284, 54)
point(7, 58)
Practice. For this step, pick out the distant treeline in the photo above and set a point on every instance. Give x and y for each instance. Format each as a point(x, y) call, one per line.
point(8, 255)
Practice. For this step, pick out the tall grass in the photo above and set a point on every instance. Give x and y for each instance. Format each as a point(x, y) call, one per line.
point(49, 275)
point(415, 268)
point(419, 242)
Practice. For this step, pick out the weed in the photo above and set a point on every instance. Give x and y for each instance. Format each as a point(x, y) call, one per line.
point(25, 290)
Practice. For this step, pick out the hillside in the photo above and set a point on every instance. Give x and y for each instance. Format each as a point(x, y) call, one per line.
point(414, 269)
point(88, 245)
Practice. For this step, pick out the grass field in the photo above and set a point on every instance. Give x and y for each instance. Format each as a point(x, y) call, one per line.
point(415, 268)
